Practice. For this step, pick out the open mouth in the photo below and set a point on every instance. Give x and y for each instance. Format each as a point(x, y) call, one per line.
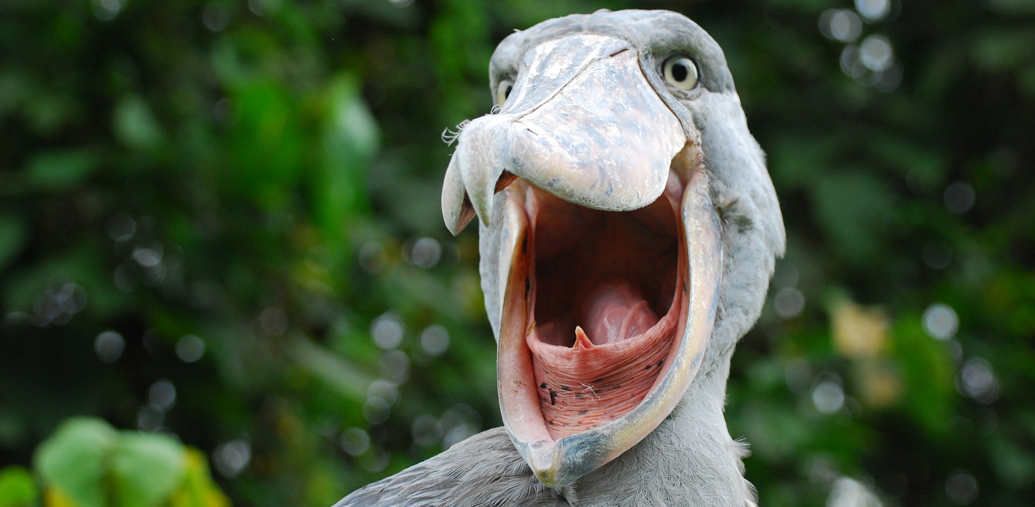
point(604, 320)
point(602, 305)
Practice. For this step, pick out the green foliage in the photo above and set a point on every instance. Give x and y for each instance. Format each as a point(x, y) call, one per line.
point(87, 463)
point(17, 487)
point(219, 220)
point(74, 462)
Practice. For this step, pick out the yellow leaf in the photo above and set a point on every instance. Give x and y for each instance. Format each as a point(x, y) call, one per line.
point(858, 331)
point(53, 497)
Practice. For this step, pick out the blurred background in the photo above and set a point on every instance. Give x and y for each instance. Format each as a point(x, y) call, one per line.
point(222, 256)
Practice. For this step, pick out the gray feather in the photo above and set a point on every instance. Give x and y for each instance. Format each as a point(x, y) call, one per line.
point(482, 471)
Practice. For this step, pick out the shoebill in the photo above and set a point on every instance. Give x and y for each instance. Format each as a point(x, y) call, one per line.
point(628, 229)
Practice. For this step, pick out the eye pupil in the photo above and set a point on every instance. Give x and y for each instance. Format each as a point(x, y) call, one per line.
point(679, 71)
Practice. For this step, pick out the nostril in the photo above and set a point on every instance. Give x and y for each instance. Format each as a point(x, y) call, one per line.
point(505, 180)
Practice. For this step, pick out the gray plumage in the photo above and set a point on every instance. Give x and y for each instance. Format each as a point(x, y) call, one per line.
point(481, 471)
point(690, 459)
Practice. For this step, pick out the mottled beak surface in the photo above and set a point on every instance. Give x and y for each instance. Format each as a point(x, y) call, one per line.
point(581, 123)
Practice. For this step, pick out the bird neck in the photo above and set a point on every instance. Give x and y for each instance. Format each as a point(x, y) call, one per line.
point(689, 459)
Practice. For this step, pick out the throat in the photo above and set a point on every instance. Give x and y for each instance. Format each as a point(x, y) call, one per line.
point(581, 388)
point(603, 308)
point(612, 274)
point(617, 311)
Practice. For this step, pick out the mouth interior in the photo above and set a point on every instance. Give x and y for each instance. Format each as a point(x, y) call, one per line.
point(611, 273)
point(603, 306)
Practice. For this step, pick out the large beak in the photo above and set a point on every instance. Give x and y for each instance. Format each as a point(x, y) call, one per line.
point(585, 125)
point(566, 129)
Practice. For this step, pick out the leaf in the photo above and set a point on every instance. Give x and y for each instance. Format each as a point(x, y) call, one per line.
point(13, 233)
point(197, 488)
point(858, 331)
point(145, 469)
point(350, 140)
point(266, 144)
point(134, 124)
point(17, 487)
point(55, 498)
point(73, 460)
point(58, 171)
point(927, 374)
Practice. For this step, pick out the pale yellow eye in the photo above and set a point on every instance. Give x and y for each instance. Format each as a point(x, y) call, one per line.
point(681, 72)
point(503, 91)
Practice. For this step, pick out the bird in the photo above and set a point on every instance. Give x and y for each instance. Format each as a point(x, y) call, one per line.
point(628, 230)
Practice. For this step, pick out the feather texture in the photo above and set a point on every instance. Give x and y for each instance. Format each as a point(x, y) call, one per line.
point(482, 471)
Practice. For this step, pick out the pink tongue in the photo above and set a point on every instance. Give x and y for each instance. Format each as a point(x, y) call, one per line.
point(617, 311)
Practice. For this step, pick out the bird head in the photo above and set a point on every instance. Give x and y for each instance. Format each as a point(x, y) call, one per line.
point(628, 228)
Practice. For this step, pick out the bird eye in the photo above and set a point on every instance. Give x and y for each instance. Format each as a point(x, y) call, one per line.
point(681, 72)
point(503, 91)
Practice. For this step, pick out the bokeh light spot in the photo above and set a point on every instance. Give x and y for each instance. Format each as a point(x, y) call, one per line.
point(376, 410)
point(106, 10)
point(148, 256)
point(190, 348)
point(387, 331)
point(162, 394)
point(828, 397)
point(936, 256)
point(425, 252)
point(427, 431)
point(121, 227)
point(940, 321)
point(150, 418)
point(458, 423)
point(354, 441)
point(109, 346)
point(961, 487)
point(959, 197)
point(216, 16)
point(394, 365)
point(383, 389)
point(789, 302)
point(273, 321)
point(434, 340)
point(978, 381)
point(840, 24)
point(59, 303)
point(849, 492)
point(873, 10)
point(875, 53)
point(231, 458)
